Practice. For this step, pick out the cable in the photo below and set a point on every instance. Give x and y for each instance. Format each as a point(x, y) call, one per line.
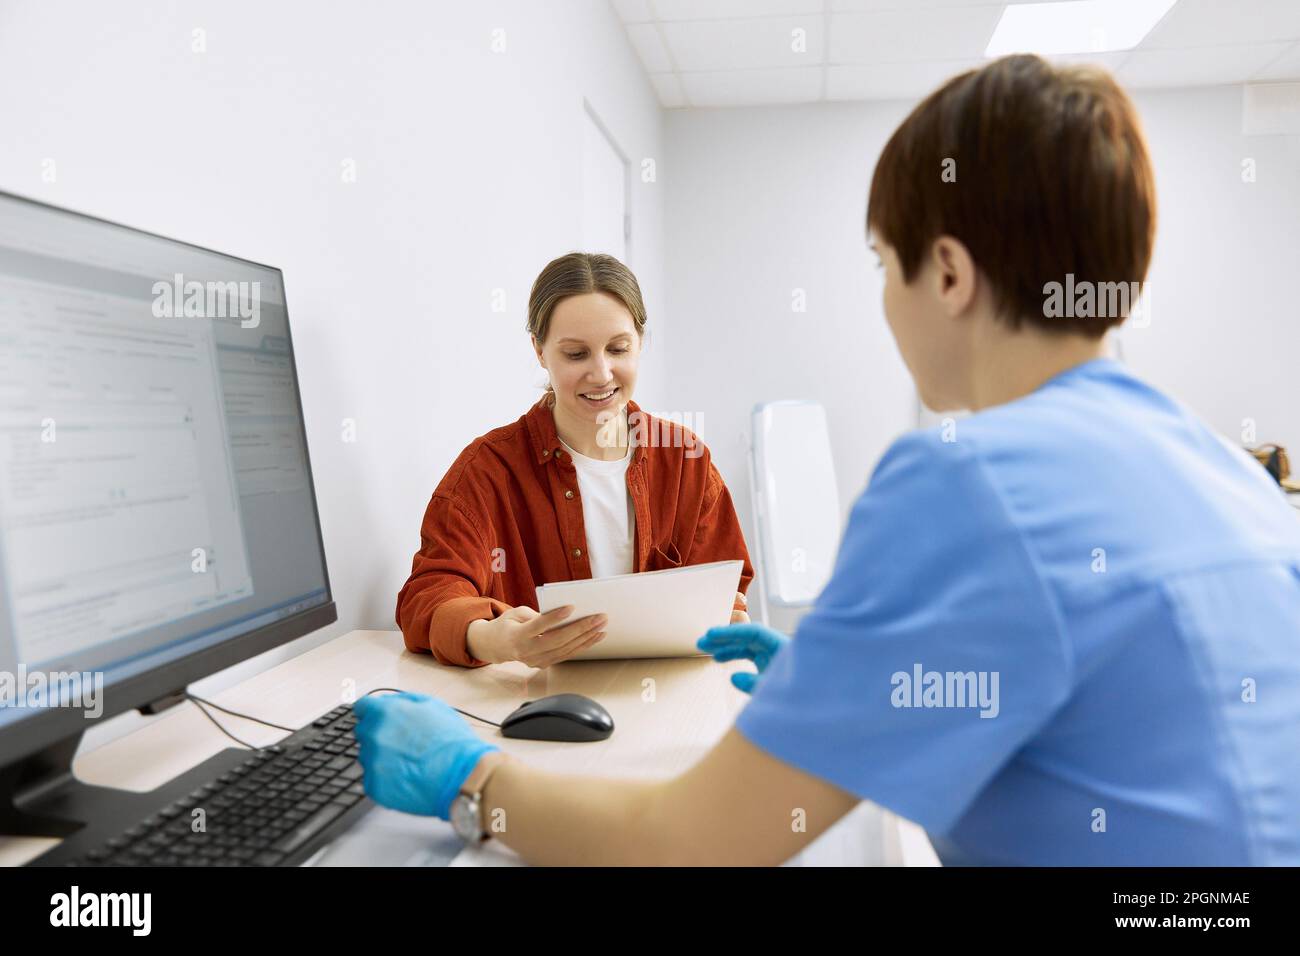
point(199, 702)
point(463, 713)
point(235, 713)
point(203, 710)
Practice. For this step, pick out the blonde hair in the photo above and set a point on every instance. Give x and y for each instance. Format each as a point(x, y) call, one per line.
point(580, 273)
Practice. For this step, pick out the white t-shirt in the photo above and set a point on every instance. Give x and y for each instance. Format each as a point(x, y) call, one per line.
point(607, 513)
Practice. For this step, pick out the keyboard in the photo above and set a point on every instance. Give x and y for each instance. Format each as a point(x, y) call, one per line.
point(275, 808)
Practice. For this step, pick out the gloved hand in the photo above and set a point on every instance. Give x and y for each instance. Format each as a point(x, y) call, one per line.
point(751, 641)
point(416, 752)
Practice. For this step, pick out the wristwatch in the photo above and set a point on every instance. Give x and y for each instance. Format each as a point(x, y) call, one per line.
point(467, 813)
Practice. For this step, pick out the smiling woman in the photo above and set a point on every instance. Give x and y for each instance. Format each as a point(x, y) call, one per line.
point(587, 321)
point(568, 491)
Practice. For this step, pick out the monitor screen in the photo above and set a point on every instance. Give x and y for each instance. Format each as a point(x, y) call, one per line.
point(155, 493)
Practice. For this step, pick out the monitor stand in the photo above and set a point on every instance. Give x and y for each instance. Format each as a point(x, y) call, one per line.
point(40, 796)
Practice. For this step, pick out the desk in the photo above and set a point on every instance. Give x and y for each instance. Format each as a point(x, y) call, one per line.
point(667, 714)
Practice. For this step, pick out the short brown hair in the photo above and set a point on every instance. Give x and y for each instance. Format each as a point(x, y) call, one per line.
point(1052, 178)
point(579, 273)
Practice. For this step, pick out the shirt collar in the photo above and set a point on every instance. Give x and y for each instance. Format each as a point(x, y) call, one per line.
point(546, 441)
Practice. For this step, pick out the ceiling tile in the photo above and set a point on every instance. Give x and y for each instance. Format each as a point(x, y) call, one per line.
point(1112, 61)
point(669, 88)
point(893, 81)
point(732, 9)
point(1203, 22)
point(1202, 66)
point(951, 33)
point(744, 44)
point(649, 47)
point(1285, 67)
point(858, 6)
point(752, 87)
point(913, 80)
point(633, 11)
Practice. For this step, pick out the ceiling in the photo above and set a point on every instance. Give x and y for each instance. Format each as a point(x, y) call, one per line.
point(706, 53)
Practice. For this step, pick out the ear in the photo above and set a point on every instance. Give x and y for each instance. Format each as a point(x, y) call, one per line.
point(537, 347)
point(956, 276)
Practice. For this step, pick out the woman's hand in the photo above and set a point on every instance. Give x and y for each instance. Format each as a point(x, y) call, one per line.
point(740, 617)
point(538, 640)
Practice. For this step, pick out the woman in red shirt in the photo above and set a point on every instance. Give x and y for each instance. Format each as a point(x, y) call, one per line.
point(584, 484)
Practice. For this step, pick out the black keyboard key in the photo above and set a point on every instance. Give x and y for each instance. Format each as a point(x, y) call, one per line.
point(309, 828)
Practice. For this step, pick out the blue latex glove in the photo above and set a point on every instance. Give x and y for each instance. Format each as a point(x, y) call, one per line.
point(751, 641)
point(416, 752)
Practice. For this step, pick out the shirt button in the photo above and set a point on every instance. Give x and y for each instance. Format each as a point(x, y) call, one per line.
point(545, 452)
point(577, 552)
point(559, 454)
point(568, 494)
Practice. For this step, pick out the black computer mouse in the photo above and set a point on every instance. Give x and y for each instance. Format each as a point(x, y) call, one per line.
point(566, 717)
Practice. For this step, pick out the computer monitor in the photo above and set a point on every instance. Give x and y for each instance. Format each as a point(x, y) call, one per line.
point(158, 520)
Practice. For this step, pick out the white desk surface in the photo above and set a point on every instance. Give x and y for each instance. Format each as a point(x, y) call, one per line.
point(667, 714)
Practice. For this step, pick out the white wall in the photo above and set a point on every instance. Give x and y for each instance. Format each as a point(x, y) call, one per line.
point(468, 179)
point(1225, 326)
point(762, 201)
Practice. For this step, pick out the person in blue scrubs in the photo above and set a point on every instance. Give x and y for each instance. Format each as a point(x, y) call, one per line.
point(1062, 630)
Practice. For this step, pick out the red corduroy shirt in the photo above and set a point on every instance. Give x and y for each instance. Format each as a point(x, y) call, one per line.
point(507, 517)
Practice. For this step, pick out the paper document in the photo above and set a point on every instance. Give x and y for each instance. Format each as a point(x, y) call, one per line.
point(651, 614)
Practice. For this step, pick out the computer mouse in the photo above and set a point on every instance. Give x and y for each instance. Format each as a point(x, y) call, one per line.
point(566, 717)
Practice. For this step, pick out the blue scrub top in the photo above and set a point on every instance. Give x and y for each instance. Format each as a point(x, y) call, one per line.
point(1065, 632)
